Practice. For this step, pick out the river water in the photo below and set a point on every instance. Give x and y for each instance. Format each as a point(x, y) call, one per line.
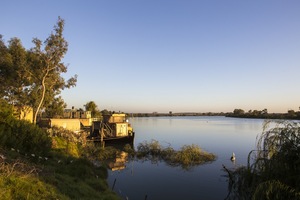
point(158, 181)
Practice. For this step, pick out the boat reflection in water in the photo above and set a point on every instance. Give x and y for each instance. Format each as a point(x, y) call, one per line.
point(122, 155)
point(113, 131)
point(119, 163)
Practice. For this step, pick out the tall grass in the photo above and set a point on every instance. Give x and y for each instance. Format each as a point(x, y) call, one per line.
point(274, 174)
point(187, 157)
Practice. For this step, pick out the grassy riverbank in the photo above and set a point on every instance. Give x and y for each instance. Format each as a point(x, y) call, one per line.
point(58, 177)
point(60, 164)
point(39, 164)
point(63, 174)
point(63, 167)
point(186, 157)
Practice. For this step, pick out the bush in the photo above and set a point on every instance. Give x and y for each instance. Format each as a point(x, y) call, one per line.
point(20, 134)
point(24, 136)
point(66, 147)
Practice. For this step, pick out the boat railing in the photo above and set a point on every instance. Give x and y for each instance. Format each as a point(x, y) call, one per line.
point(108, 130)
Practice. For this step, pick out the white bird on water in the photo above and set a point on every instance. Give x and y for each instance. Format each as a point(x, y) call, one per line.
point(232, 157)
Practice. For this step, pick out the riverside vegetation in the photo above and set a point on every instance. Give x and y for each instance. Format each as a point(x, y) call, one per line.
point(275, 170)
point(35, 164)
point(187, 157)
point(60, 164)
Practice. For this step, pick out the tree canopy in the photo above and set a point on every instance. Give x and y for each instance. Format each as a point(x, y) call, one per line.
point(34, 77)
point(92, 106)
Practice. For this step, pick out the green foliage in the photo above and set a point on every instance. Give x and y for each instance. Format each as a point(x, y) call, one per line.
point(15, 187)
point(263, 114)
point(21, 135)
point(275, 171)
point(65, 147)
point(59, 177)
point(238, 112)
point(105, 112)
point(6, 111)
point(19, 180)
point(77, 178)
point(274, 189)
point(55, 107)
point(187, 157)
point(129, 149)
point(33, 77)
point(96, 151)
point(192, 155)
point(279, 155)
point(46, 66)
point(92, 106)
point(34, 170)
point(152, 148)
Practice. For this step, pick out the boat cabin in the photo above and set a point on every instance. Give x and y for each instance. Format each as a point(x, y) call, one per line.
point(111, 127)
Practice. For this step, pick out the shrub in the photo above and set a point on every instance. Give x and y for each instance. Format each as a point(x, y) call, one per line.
point(65, 147)
point(24, 136)
point(20, 134)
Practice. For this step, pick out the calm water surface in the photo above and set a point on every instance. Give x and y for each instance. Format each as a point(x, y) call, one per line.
point(218, 135)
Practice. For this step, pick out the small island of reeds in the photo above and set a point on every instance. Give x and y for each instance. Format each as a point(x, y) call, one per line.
point(186, 157)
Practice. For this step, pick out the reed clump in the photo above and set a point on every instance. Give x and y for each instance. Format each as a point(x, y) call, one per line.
point(274, 172)
point(190, 155)
point(186, 157)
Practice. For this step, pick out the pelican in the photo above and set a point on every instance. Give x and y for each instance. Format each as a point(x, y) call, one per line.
point(232, 157)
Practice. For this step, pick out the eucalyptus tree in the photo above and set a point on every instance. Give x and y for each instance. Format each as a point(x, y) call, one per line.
point(46, 67)
point(33, 77)
point(56, 107)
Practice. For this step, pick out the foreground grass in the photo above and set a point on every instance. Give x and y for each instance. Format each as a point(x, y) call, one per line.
point(58, 164)
point(46, 164)
point(64, 174)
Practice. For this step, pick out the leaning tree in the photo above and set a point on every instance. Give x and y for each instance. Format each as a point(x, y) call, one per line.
point(35, 79)
point(46, 67)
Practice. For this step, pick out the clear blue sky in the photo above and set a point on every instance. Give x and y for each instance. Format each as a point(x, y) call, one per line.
point(171, 55)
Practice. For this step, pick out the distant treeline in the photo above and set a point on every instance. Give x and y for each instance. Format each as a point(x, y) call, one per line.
point(155, 114)
point(263, 114)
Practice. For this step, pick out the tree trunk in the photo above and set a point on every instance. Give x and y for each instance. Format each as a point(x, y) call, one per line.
point(42, 98)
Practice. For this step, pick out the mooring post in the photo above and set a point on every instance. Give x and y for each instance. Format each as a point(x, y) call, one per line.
point(102, 133)
point(114, 184)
